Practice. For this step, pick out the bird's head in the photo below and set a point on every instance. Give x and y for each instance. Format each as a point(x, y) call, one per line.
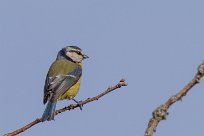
point(72, 53)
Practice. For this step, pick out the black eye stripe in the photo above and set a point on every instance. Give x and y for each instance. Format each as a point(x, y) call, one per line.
point(78, 52)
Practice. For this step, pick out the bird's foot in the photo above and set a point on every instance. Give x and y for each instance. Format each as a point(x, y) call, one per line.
point(78, 103)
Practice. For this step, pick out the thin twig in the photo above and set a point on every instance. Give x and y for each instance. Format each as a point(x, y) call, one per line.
point(160, 113)
point(70, 107)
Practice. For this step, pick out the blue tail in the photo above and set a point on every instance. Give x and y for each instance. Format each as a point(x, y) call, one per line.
point(49, 112)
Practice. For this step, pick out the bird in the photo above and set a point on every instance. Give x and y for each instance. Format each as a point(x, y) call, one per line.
point(63, 79)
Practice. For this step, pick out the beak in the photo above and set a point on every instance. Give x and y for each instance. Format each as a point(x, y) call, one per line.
point(85, 56)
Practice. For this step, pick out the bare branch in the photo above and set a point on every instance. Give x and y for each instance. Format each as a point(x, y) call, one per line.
point(160, 113)
point(70, 107)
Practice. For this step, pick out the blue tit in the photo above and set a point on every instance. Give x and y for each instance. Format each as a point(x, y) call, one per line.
point(63, 79)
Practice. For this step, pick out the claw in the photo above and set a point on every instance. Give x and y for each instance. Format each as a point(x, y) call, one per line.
point(78, 103)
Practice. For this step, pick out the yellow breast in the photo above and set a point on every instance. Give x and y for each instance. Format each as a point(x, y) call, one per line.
point(71, 92)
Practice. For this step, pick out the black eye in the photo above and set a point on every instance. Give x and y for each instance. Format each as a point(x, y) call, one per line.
point(78, 52)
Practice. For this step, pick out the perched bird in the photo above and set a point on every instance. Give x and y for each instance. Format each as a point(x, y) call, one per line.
point(63, 79)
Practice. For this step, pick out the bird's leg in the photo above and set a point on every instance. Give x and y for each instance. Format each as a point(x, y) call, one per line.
point(78, 102)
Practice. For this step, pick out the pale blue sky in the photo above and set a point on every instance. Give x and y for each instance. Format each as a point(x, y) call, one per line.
point(155, 45)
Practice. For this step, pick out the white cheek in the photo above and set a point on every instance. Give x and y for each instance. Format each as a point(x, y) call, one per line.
point(68, 54)
point(75, 57)
point(71, 55)
point(78, 58)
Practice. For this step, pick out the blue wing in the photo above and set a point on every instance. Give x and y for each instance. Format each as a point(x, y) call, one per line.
point(58, 85)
